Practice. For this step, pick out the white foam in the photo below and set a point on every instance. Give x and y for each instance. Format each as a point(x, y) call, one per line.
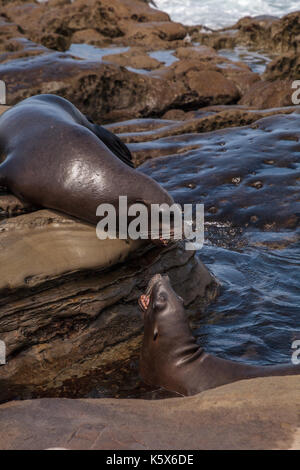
point(220, 13)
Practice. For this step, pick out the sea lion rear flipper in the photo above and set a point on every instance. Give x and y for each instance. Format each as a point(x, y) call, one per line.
point(114, 143)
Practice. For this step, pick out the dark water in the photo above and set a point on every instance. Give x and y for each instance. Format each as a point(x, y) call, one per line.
point(256, 318)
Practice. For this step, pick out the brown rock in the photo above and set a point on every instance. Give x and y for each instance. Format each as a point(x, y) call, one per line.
point(255, 414)
point(195, 53)
point(58, 23)
point(265, 94)
point(102, 91)
point(155, 34)
point(136, 58)
point(286, 66)
point(90, 36)
point(212, 88)
point(262, 32)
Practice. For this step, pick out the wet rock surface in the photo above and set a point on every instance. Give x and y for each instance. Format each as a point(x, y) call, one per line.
point(236, 416)
point(262, 32)
point(195, 73)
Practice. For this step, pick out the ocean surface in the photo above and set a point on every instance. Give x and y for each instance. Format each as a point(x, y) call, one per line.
point(221, 13)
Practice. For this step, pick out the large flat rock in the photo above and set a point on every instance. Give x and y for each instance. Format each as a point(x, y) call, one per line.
point(251, 414)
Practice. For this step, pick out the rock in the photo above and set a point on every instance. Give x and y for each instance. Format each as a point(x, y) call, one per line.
point(256, 414)
point(265, 94)
point(103, 91)
point(286, 66)
point(65, 293)
point(57, 24)
point(155, 34)
point(11, 206)
point(90, 36)
point(212, 88)
point(262, 33)
point(106, 92)
point(136, 58)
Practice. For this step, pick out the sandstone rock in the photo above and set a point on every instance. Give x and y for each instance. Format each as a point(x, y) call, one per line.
point(212, 88)
point(155, 34)
point(90, 36)
point(286, 66)
point(136, 58)
point(195, 53)
point(106, 92)
point(265, 94)
point(56, 24)
point(255, 414)
point(69, 301)
point(263, 33)
point(102, 91)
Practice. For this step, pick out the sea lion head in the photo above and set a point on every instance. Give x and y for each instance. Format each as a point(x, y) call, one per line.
point(167, 335)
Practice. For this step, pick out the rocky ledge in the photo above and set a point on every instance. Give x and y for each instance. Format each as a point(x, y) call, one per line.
point(68, 301)
point(131, 77)
point(254, 414)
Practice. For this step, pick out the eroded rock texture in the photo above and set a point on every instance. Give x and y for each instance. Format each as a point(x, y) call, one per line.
point(68, 301)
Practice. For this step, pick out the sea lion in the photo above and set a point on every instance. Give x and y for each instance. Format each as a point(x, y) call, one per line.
point(170, 356)
point(53, 156)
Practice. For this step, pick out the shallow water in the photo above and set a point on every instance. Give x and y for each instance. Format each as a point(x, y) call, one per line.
point(90, 52)
point(257, 61)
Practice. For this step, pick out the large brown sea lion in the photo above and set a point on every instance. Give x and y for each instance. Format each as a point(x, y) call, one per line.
point(53, 156)
point(172, 359)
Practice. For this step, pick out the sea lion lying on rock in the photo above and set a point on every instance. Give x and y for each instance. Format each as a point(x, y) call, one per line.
point(53, 156)
point(170, 356)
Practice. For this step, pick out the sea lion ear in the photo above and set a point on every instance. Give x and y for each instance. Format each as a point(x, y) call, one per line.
point(155, 333)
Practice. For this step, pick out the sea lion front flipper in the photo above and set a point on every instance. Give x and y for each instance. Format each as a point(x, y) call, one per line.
point(114, 143)
point(3, 182)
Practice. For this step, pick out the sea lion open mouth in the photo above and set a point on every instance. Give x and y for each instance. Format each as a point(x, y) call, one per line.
point(144, 300)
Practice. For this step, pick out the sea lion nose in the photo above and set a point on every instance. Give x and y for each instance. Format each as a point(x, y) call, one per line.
point(153, 281)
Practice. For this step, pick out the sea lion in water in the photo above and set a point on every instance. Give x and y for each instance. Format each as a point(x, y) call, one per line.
point(53, 156)
point(170, 356)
